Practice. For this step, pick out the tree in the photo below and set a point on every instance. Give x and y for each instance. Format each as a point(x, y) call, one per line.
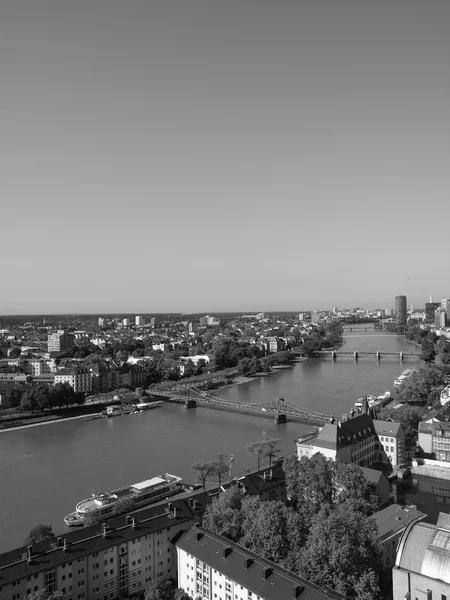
point(160, 590)
point(224, 516)
point(123, 505)
point(43, 595)
point(352, 487)
point(40, 533)
point(180, 594)
point(270, 449)
point(428, 353)
point(93, 517)
point(342, 548)
point(204, 470)
point(15, 352)
point(220, 468)
point(257, 450)
point(309, 483)
point(272, 530)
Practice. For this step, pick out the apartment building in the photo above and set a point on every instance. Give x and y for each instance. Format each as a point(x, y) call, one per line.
point(434, 440)
point(78, 378)
point(60, 341)
point(422, 566)
point(214, 568)
point(103, 562)
point(39, 366)
point(361, 440)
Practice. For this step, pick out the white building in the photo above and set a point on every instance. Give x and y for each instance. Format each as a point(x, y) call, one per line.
point(211, 567)
point(79, 379)
point(139, 321)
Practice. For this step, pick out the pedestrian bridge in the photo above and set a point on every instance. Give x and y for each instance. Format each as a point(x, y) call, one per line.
point(280, 409)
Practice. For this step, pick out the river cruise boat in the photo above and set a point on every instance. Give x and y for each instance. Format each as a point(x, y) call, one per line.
point(138, 494)
point(403, 377)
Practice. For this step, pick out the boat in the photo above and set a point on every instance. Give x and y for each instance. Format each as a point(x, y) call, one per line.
point(403, 377)
point(148, 405)
point(136, 496)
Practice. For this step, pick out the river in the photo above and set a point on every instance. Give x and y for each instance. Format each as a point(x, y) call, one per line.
point(46, 470)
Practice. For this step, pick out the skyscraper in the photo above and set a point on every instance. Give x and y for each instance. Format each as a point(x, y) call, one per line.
point(400, 310)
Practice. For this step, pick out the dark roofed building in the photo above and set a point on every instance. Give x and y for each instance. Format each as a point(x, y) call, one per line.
point(207, 561)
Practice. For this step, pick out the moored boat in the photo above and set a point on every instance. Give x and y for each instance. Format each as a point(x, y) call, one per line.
point(135, 496)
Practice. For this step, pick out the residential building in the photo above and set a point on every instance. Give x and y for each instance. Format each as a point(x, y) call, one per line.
point(391, 523)
point(275, 344)
point(60, 341)
point(212, 567)
point(125, 322)
point(103, 562)
point(361, 440)
point(153, 322)
point(400, 310)
point(434, 440)
point(422, 566)
point(80, 379)
point(39, 366)
point(381, 485)
point(430, 309)
point(440, 318)
point(101, 322)
point(268, 484)
point(315, 317)
point(139, 321)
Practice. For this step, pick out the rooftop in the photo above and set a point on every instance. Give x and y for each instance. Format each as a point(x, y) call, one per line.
point(395, 518)
point(263, 577)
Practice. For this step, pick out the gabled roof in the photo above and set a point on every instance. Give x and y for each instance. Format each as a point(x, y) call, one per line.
point(390, 428)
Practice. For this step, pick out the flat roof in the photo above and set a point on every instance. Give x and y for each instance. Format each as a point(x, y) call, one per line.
point(394, 518)
point(142, 485)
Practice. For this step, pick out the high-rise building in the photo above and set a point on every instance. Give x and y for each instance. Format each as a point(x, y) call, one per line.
point(153, 322)
point(126, 322)
point(60, 341)
point(400, 310)
point(101, 322)
point(430, 309)
point(440, 318)
point(138, 321)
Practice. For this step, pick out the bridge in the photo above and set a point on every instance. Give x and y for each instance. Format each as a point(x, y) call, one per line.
point(355, 353)
point(359, 327)
point(280, 409)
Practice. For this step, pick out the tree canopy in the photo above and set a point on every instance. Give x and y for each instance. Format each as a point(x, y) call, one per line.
point(40, 533)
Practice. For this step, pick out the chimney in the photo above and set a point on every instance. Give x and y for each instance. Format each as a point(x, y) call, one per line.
point(298, 589)
point(227, 551)
point(29, 552)
point(104, 530)
point(133, 523)
point(248, 562)
point(65, 545)
point(169, 507)
point(198, 536)
point(174, 512)
point(267, 572)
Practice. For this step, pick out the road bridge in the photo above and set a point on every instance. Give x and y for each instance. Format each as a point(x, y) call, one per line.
point(280, 409)
point(356, 353)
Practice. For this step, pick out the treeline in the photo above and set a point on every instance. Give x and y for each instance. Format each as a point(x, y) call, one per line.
point(29, 398)
point(324, 534)
point(322, 337)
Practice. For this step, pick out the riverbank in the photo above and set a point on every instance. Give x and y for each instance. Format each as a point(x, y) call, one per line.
point(44, 422)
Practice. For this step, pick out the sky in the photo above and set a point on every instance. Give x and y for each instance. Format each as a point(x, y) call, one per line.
point(202, 155)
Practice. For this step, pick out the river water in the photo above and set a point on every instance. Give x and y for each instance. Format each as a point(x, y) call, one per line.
point(46, 470)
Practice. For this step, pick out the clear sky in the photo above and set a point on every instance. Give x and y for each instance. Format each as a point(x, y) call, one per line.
point(187, 155)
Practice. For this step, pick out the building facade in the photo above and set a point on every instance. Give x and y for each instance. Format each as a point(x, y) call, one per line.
point(212, 567)
point(60, 341)
point(430, 309)
point(100, 562)
point(78, 378)
point(434, 440)
point(401, 314)
point(360, 440)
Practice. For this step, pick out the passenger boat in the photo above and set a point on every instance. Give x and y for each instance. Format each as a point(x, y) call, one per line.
point(403, 377)
point(138, 495)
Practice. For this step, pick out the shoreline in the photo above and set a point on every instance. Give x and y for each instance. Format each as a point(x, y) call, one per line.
point(48, 422)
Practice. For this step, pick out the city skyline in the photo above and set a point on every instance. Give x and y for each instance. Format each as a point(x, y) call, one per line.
point(214, 157)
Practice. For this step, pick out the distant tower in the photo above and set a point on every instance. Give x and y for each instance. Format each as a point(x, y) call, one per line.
point(431, 299)
point(400, 310)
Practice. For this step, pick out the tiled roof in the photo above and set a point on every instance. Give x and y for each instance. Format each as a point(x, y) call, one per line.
point(390, 428)
point(263, 577)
